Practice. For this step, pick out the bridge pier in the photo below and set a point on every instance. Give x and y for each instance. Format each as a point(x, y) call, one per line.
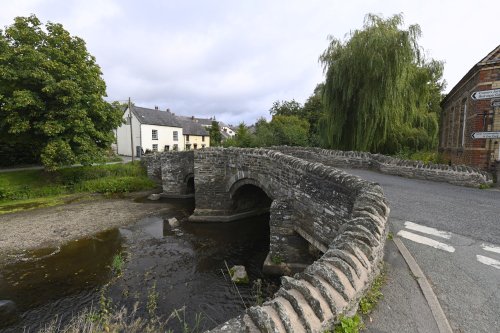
point(289, 252)
point(177, 174)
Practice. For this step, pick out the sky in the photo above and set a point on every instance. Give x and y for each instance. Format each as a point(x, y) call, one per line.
point(232, 59)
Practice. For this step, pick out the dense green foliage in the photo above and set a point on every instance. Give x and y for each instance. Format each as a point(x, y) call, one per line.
point(281, 130)
point(312, 111)
point(380, 94)
point(215, 135)
point(51, 95)
point(115, 178)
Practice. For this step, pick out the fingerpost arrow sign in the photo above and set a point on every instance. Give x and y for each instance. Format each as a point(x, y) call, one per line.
point(485, 94)
point(485, 135)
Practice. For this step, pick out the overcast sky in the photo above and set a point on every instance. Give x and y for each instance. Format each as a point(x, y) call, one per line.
point(233, 58)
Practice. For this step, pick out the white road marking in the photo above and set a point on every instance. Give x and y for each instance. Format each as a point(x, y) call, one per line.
point(427, 230)
point(426, 241)
point(488, 261)
point(490, 248)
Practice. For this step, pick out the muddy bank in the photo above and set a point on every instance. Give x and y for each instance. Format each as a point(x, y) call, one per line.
point(54, 226)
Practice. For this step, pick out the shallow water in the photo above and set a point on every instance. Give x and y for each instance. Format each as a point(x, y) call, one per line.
point(186, 266)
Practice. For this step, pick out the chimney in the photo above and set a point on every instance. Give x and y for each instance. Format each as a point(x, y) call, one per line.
point(156, 107)
point(168, 110)
point(192, 118)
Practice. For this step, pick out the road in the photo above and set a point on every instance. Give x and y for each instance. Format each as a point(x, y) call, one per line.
point(454, 235)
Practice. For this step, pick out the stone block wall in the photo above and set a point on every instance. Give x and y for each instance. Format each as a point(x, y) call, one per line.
point(343, 213)
point(176, 168)
point(152, 163)
point(458, 175)
point(314, 193)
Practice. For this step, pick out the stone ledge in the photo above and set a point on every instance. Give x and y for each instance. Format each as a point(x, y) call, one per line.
point(461, 175)
point(227, 218)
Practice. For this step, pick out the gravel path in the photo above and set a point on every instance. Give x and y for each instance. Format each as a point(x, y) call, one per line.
point(54, 226)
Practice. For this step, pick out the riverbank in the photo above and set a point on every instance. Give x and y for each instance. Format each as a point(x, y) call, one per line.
point(24, 231)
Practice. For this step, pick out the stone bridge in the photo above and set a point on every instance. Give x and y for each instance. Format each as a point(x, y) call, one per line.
point(310, 205)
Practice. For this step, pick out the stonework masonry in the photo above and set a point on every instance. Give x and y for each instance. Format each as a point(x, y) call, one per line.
point(458, 174)
point(342, 215)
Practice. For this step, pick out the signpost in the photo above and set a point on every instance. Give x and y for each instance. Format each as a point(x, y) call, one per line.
point(485, 135)
point(485, 94)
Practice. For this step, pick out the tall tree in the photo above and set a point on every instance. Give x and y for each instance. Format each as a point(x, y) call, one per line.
point(378, 88)
point(51, 94)
point(215, 135)
point(286, 108)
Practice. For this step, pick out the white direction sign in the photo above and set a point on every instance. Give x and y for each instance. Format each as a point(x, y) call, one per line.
point(485, 94)
point(485, 135)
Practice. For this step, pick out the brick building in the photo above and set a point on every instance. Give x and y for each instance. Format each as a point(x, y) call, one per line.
point(472, 106)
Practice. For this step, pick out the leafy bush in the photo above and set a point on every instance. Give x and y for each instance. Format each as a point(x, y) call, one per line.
point(116, 178)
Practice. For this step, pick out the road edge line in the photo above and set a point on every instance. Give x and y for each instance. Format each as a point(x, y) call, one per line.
point(425, 286)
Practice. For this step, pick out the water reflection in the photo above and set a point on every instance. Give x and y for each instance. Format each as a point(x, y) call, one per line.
point(186, 264)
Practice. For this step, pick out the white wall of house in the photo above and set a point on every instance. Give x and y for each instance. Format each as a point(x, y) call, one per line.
point(228, 131)
point(165, 137)
point(123, 135)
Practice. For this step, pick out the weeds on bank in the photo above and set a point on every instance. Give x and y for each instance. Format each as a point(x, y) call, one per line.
point(367, 303)
point(277, 259)
point(117, 264)
point(108, 319)
point(371, 298)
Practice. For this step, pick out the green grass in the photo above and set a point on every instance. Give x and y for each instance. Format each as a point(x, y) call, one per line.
point(39, 188)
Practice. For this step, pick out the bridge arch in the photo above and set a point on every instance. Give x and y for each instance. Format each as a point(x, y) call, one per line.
point(189, 183)
point(249, 194)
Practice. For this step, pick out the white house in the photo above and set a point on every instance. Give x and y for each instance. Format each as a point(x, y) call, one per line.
point(152, 129)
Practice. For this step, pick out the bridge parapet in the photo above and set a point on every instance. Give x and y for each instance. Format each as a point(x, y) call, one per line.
point(457, 174)
point(342, 215)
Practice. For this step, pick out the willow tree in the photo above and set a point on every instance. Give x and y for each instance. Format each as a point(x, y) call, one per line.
point(379, 88)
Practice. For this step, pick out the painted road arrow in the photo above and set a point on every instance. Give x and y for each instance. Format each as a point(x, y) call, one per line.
point(485, 135)
point(485, 94)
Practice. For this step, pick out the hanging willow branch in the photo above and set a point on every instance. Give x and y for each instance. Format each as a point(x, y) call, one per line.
point(377, 87)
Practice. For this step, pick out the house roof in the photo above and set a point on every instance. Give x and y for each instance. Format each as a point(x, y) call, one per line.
point(155, 117)
point(492, 58)
point(190, 127)
point(201, 121)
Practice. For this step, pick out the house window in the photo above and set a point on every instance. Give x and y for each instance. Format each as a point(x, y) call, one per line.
point(195, 146)
point(187, 138)
point(176, 136)
point(202, 146)
point(203, 138)
point(155, 147)
point(154, 134)
point(176, 146)
point(188, 146)
point(167, 148)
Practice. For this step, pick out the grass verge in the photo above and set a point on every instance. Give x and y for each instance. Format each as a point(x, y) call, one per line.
point(28, 189)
